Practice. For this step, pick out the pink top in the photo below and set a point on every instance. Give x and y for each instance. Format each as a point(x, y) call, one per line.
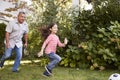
point(51, 43)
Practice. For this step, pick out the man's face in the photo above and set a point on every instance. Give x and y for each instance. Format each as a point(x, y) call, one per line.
point(21, 18)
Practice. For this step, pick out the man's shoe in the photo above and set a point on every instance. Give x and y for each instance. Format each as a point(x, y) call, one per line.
point(16, 71)
point(1, 64)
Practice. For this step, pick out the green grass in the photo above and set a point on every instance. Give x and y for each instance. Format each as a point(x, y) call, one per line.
point(34, 72)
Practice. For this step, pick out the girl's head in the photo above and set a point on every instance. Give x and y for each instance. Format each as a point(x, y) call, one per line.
point(46, 30)
point(53, 28)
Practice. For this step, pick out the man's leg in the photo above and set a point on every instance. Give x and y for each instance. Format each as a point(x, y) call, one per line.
point(7, 54)
point(18, 58)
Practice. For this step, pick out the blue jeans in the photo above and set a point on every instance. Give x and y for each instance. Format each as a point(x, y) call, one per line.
point(54, 60)
point(8, 53)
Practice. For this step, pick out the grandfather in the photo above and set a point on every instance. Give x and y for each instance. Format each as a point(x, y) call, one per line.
point(15, 30)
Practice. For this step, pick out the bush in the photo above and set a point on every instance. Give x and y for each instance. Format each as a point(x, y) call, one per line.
point(93, 35)
point(2, 37)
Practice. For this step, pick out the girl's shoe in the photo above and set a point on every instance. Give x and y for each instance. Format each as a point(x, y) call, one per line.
point(48, 70)
point(46, 74)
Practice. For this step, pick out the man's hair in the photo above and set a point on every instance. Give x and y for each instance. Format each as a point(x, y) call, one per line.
point(21, 12)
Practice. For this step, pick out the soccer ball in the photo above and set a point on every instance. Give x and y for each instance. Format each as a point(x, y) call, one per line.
point(114, 76)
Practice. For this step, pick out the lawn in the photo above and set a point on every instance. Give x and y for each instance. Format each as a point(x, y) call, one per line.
point(29, 71)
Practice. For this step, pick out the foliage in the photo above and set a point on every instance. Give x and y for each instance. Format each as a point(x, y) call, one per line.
point(2, 36)
point(96, 48)
point(93, 35)
point(43, 15)
point(93, 32)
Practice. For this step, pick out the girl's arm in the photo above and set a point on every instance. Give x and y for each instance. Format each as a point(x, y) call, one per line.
point(43, 46)
point(62, 44)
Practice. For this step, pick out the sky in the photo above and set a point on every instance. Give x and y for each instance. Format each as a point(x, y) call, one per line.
point(4, 4)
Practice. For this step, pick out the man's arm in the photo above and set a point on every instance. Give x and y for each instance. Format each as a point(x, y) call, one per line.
point(7, 39)
point(26, 39)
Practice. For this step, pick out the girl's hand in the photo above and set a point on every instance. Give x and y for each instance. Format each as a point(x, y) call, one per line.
point(40, 54)
point(65, 41)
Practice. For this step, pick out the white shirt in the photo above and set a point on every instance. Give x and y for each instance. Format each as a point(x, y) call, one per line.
point(16, 31)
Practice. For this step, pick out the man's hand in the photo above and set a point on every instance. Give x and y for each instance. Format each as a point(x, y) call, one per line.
point(25, 45)
point(7, 45)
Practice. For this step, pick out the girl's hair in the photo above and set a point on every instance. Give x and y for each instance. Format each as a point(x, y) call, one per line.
point(45, 30)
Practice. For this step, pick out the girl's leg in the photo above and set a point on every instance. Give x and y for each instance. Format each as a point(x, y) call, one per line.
point(54, 60)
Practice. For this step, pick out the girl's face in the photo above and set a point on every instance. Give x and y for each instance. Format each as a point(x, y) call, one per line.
point(54, 29)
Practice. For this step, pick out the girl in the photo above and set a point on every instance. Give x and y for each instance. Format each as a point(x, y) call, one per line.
point(50, 44)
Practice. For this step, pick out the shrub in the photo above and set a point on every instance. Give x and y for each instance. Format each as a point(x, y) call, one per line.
point(2, 37)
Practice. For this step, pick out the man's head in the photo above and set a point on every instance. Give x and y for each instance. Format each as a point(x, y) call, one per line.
point(21, 17)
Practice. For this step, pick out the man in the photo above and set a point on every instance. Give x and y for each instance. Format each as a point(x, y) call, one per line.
point(15, 30)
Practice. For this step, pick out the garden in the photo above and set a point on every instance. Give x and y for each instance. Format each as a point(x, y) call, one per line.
point(93, 50)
